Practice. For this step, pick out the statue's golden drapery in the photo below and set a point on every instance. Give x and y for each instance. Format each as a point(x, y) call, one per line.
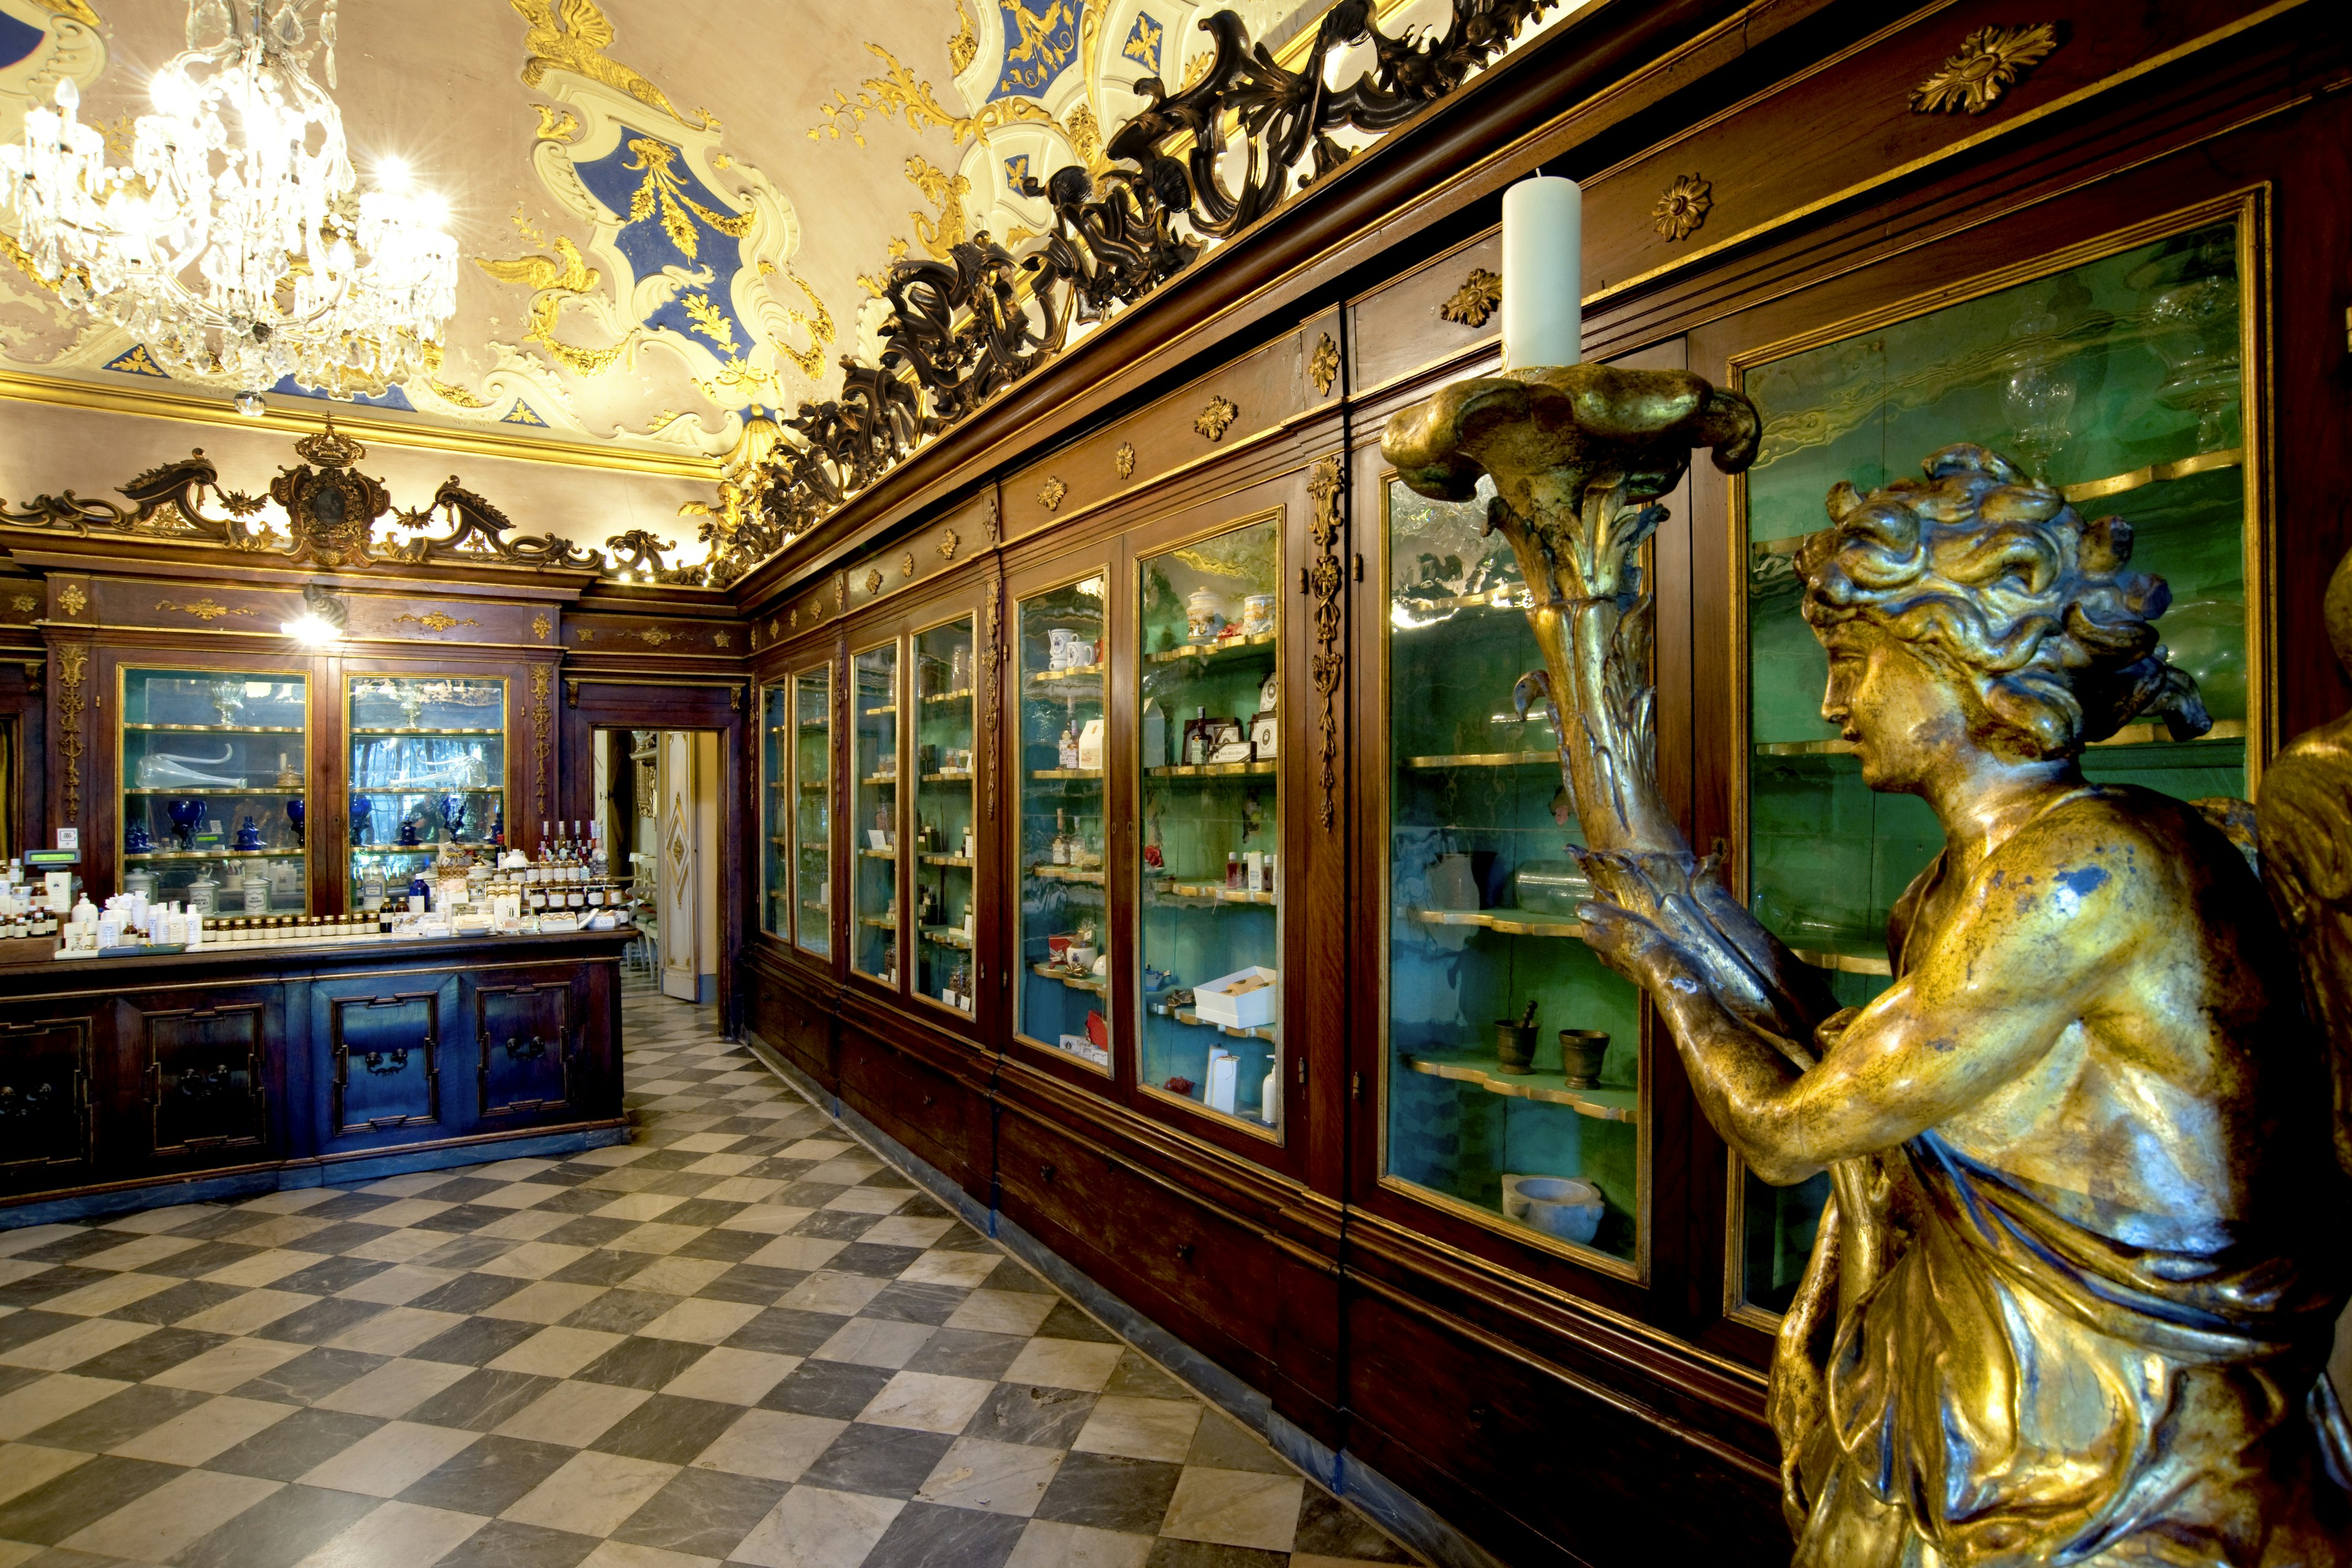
point(2073, 1299)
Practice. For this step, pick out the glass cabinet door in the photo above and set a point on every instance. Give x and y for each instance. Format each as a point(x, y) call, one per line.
point(428, 768)
point(776, 809)
point(1513, 1062)
point(214, 771)
point(812, 792)
point(1212, 823)
point(2119, 380)
point(1062, 997)
point(874, 707)
point(946, 838)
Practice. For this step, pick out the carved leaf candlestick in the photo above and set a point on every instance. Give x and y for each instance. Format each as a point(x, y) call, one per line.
point(1578, 453)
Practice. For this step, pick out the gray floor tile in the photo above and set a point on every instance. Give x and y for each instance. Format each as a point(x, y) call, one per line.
point(704, 1513)
point(279, 1530)
point(1110, 1492)
point(82, 1496)
point(926, 1535)
point(289, 1447)
point(883, 1461)
point(668, 1429)
point(503, 1543)
point(487, 1476)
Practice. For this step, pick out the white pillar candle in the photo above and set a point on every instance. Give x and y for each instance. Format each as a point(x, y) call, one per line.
point(1543, 273)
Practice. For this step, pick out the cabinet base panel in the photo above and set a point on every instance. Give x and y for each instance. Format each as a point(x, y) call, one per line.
point(374, 1165)
point(1404, 1516)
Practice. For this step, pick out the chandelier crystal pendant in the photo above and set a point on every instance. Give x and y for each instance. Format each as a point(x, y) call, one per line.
point(237, 246)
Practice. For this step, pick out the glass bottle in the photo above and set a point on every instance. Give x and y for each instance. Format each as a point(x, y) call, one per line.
point(1061, 855)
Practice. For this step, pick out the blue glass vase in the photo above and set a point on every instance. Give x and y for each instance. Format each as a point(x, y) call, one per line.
point(185, 816)
point(363, 815)
point(294, 815)
point(137, 840)
point(248, 835)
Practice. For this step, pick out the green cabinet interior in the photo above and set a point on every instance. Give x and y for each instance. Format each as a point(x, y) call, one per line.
point(946, 838)
point(429, 766)
point(1206, 655)
point(776, 807)
point(810, 786)
point(874, 768)
point(1063, 690)
point(2116, 379)
point(1482, 901)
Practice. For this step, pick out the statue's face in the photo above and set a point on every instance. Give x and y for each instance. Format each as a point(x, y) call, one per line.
point(1903, 717)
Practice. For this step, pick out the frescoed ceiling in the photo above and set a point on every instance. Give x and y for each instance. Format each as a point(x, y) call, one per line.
point(675, 218)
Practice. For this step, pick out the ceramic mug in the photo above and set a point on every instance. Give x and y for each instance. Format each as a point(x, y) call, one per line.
point(1058, 645)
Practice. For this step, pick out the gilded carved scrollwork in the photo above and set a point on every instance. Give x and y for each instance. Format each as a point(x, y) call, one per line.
point(542, 737)
point(73, 669)
point(1329, 663)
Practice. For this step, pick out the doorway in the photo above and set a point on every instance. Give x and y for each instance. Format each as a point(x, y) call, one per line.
point(659, 800)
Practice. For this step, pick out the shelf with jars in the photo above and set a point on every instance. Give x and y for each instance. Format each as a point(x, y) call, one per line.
point(215, 799)
point(1209, 903)
point(427, 769)
point(809, 786)
point(1514, 1060)
point(874, 949)
point(1062, 987)
point(776, 858)
point(2119, 380)
point(946, 830)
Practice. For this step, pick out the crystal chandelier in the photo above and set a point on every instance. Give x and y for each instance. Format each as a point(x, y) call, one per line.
point(237, 246)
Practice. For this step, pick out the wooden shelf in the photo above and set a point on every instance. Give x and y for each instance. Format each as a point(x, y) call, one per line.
point(220, 729)
point(423, 734)
point(430, 789)
point(1077, 675)
point(950, 775)
point(1210, 770)
point(1543, 1088)
point(948, 936)
point(877, 854)
point(1087, 983)
point(1216, 892)
point(2149, 732)
point(888, 711)
point(1053, 873)
point(879, 922)
point(1844, 962)
point(1511, 596)
point(1205, 654)
point(1510, 922)
point(185, 790)
point(219, 855)
point(962, 696)
point(880, 779)
point(962, 860)
point(1091, 773)
point(1487, 760)
point(1260, 1032)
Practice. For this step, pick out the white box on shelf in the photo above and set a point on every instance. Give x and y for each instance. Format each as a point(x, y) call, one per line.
point(1217, 1003)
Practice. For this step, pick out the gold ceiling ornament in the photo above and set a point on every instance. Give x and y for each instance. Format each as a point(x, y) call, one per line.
point(554, 125)
point(1323, 365)
point(541, 626)
point(207, 609)
point(1217, 418)
point(906, 564)
point(663, 195)
point(573, 35)
point(1124, 460)
point(896, 91)
point(946, 191)
point(874, 581)
point(1051, 492)
point(1990, 62)
point(435, 621)
point(949, 541)
point(1086, 134)
point(72, 599)
point(964, 45)
point(819, 327)
point(1682, 208)
point(1197, 67)
point(555, 281)
point(1475, 303)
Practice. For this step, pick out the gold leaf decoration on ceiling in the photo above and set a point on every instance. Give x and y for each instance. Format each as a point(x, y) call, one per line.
point(709, 320)
point(554, 125)
point(573, 35)
point(896, 91)
point(945, 191)
point(1990, 61)
point(664, 191)
point(554, 280)
point(964, 47)
point(819, 328)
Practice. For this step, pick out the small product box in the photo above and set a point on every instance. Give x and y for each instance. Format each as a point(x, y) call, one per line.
point(1244, 999)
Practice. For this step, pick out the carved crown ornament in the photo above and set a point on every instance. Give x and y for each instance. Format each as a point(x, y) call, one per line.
point(335, 517)
point(1990, 61)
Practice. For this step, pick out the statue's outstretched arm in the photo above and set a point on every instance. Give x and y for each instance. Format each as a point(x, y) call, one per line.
point(2032, 941)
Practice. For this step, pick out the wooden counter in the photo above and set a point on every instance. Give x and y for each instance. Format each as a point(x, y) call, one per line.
point(238, 1069)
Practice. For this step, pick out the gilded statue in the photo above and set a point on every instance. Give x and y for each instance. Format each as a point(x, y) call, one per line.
point(2072, 1297)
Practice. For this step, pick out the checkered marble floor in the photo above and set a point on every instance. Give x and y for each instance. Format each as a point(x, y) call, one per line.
point(740, 1337)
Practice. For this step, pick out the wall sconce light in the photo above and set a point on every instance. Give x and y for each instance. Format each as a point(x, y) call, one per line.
point(322, 619)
